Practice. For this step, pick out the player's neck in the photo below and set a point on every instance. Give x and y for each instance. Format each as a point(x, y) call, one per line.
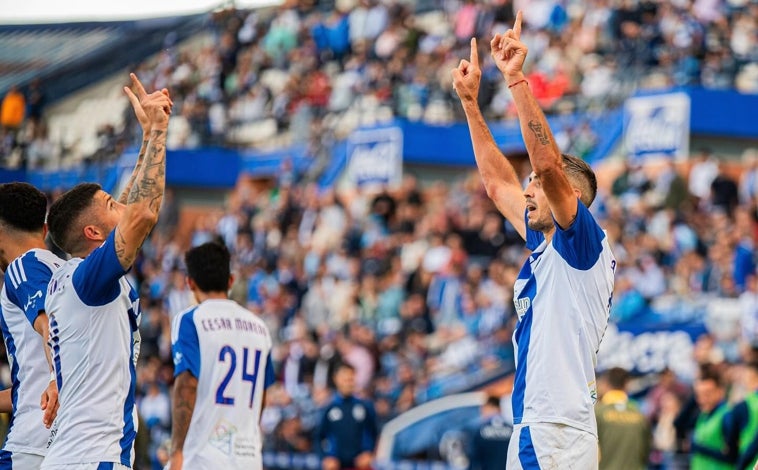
point(24, 243)
point(203, 296)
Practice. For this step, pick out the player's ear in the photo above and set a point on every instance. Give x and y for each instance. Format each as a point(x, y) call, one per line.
point(93, 232)
point(45, 230)
point(231, 281)
point(191, 284)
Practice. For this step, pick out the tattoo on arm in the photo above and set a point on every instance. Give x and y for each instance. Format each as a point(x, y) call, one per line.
point(539, 132)
point(126, 258)
point(185, 394)
point(151, 181)
point(140, 158)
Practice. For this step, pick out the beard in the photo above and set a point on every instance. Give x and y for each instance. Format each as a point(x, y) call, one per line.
point(542, 224)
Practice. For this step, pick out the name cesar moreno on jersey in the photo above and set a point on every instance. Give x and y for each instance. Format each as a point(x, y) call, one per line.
point(226, 324)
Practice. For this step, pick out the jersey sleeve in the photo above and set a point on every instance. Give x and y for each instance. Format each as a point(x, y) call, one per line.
point(96, 279)
point(270, 376)
point(186, 346)
point(26, 286)
point(581, 243)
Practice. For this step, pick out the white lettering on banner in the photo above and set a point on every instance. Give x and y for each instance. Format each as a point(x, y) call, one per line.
point(375, 157)
point(647, 352)
point(657, 125)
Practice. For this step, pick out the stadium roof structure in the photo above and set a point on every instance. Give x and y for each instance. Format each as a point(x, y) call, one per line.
point(68, 56)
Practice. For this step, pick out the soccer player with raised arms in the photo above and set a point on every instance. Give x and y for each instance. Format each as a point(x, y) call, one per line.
point(28, 265)
point(563, 292)
point(222, 368)
point(92, 308)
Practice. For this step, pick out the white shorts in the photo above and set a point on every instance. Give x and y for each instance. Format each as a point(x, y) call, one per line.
point(547, 446)
point(11, 460)
point(87, 466)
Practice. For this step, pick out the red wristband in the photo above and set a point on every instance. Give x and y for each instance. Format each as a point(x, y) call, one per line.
point(523, 80)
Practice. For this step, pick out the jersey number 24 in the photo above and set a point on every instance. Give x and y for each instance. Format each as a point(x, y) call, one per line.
point(227, 353)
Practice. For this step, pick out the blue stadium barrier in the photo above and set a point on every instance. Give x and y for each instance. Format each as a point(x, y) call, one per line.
point(294, 461)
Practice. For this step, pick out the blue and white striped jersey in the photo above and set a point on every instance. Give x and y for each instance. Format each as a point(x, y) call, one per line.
point(94, 314)
point(228, 349)
point(562, 297)
point(21, 301)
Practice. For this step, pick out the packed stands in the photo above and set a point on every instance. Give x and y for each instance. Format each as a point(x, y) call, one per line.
point(413, 285)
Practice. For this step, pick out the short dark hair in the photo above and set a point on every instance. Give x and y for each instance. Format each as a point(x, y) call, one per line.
point(581, 176)
point(66, 212)
point(710, 372)
point(22, 207)
point(493, 401)
point(617, 378)
point(342, 365)
point(208, 266)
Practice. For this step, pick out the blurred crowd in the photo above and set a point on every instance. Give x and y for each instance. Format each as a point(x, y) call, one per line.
point(309, 72)
point(413, 286)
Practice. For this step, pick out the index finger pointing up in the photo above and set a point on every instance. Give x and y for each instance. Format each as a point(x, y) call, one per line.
point(474, 58)
point(517, 26)
point(141, 93)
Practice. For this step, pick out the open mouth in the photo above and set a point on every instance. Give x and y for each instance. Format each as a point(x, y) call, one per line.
point(531, 207)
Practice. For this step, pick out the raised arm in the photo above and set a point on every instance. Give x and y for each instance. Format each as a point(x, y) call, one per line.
point(144, 122)
point(146, 193)
point(509, 54)
point(498, 175)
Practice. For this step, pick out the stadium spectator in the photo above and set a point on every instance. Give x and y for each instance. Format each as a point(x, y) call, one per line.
point(622, 430)
point(489, 443)
point(742, 421)
point(551, 214)
point(218, 348)
point(709, 446)
point(12, 110)
point(347, 434)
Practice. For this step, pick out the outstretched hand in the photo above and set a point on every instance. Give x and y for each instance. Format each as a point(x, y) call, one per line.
point(508, 51)
point(150, 109)
point(467, 76)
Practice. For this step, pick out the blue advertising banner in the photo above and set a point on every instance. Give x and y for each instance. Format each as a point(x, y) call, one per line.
point(657, 126)
point(375, 157)
point(644, 349)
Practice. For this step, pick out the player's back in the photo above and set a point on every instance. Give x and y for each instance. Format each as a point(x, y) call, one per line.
point(231, 360)
point(94, 314)
point(21, 301)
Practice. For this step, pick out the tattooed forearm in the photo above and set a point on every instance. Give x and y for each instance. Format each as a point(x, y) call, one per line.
point(539, 132)
point(125, 256)
point(150, 182)
point(140, 158)
point(185, 394)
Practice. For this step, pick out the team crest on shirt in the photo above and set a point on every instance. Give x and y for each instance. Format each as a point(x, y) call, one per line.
point(335, 414)
point(359, 413)
point(222, 436)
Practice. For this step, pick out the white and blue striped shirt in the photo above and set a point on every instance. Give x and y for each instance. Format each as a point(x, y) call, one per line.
point(94, 316)
point(21, 301)
point(562, 297)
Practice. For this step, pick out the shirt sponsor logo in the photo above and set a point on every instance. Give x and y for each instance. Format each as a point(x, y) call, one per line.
point(522, 304)
point(32, 300)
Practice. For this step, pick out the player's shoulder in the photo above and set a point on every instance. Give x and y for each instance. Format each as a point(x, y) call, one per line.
point(33, 266)
point(186, 314)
